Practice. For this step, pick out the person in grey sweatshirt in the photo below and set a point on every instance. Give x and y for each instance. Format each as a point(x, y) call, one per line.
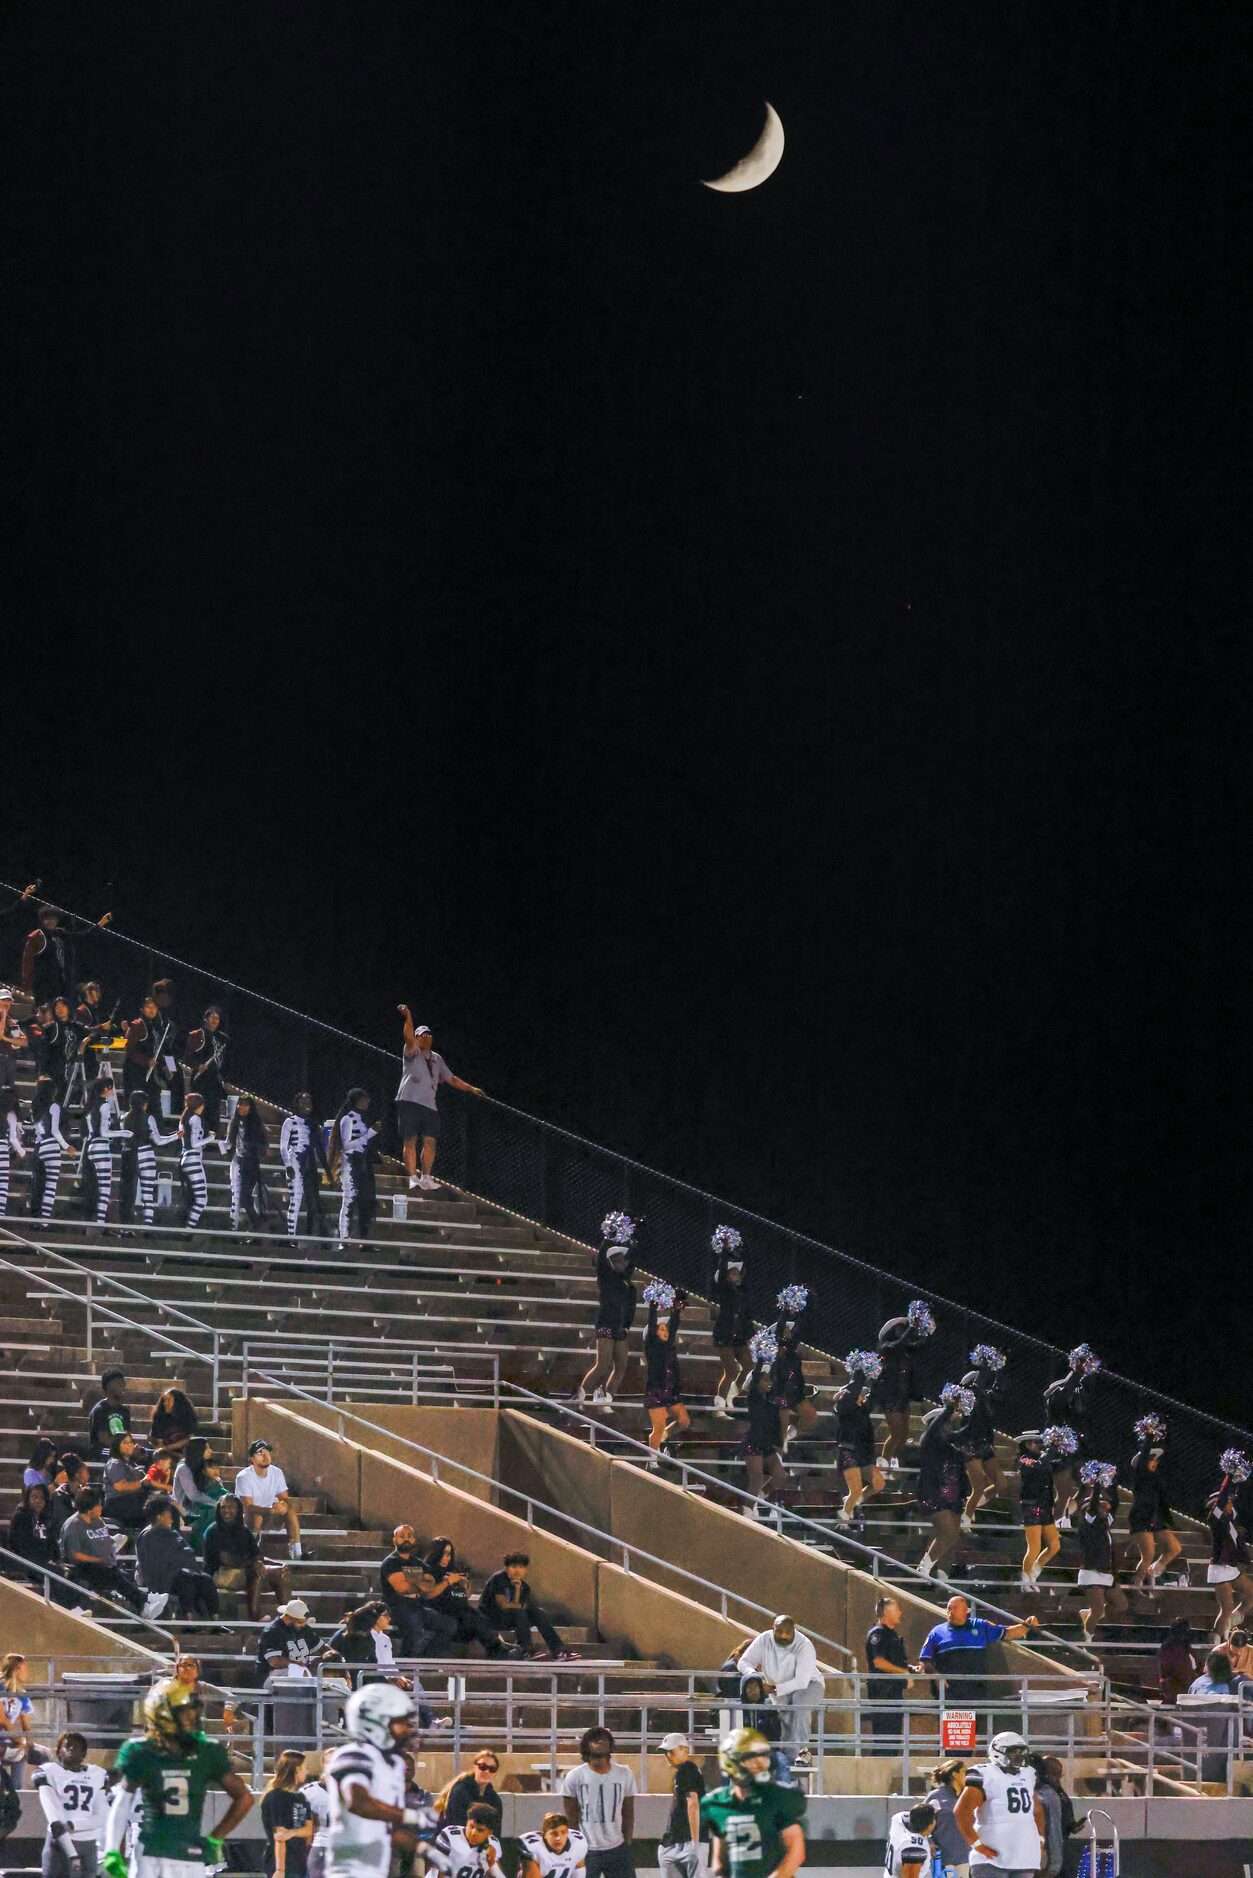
point(168, 1567)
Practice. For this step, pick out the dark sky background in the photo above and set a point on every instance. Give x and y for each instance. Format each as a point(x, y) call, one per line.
point(765, 676)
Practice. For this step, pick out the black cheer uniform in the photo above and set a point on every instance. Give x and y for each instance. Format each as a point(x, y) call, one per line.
point(1150, 1509)
point(733, 1325)
point(615, 1296)
point(663, 1383)
point(854, 1430)
point(943, 1483)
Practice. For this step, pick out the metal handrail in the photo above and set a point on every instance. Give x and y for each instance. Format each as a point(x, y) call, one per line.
point(50, 1577)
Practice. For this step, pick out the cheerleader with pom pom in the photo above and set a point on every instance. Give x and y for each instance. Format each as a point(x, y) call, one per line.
point(1151, 1522)
point(663, 1387)
point(943, 1483)
point(762, 1445)
point(1098, 1509)
point(1228, 1569)
point(732, 1324)
point(615, 1312)
point(895, 1390)
point(1041, 1451)
point(979, 1441)
point(855, 1450)
point(1068, 1404)
point(792, 1393)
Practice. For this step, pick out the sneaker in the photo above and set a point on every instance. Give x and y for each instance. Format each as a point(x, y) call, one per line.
point(1063, 1524)
point(654, 1465)
point(155, 1603)
point(894, 1465)
point(598, 1399)
point(568, 1656)
point(428, 1183)
point(80, 1610)
point(924, 1567)
point(720, 1403)
point(607, 1404)
point(440, 1722)
point(1027, 1582)
point(843, 1519)
point(939, 1577)
point(803, 1759)
point(967, 1522)
point(732, 1392)
point(413, 1181)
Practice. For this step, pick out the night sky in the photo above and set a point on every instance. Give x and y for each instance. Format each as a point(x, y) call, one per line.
point(765, 676)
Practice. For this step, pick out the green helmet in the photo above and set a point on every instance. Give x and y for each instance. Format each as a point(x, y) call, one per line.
point(168, 1707)
point(743, 1744)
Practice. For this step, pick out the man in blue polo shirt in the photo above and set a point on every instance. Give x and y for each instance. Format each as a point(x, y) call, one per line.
point(957, 1649)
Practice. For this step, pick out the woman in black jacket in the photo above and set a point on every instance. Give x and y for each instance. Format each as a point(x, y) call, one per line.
point(1098, 1510)
point(615, 1312)
point(31, 1535)
point(446, 1591)
point(855, 1454)
point(793, 1394)
point(1151, 1522)
point(943, 1483)
point(983, 1380)
point(1068, 1404)
point(732, 1325)
point(246, 1141)
point(663, 1384)
point(762, 1445)
point(896, 1389)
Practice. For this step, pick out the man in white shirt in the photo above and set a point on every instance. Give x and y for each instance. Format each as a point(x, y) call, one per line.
point(787, 1664)
point(599, 1801)
point(262, 1487)
point(417, 1113)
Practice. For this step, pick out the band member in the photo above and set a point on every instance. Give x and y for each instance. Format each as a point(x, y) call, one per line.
point(206, 1056)
point(96, 1160)
point(173, 1043)
point(303, 1154)
point(46, 958)
point(352, 1138)
point(139, 1160)
point(194, 1139)
point(96, 1028)
point(10, 1143)
point(246, 1141)
point(143, 1034)
point(13, 1040)
point(50, 1146)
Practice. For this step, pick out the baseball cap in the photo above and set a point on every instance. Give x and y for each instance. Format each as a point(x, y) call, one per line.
point(294, 1607)
point(673, 1741)
point(255, 1447)
point(423, 1030)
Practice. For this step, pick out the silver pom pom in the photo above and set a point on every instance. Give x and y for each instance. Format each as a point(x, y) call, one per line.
point(660, 1294)
point(952, 1395)
point(864, 1363)
point(726, 1240)
point(792, 1300)
point(987, 1356)
point(617, 1229)
point(763, 1346)
point(921, 1318)
point(1061, 1440)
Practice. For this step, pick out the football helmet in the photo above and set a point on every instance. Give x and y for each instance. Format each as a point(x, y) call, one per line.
point(171, 1713)
point(369, 1713)
point(739, 1746)
point(1008, 1751)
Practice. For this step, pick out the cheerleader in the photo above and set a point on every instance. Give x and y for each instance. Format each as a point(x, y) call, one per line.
point(1040, 1452)
point(50, 1146)
point(895, 1390)
point(795, 1397)
point(1068, 1404)
point(615, 1312)
point(1151, 1521)
point(205, 1052)
point(193, 1142)
point(351, 1136)
point(763, 1444)
point(96, 1158)
point(303, 1154)
point(139, 1160)
point(246, 1142)
point(663, 1387)
point(979, 1441)
point(732, 1326)
point(855, 1449)
point(10, 1143)
point(943, 1483)
point(1228, 1570)
point(1098, 1509)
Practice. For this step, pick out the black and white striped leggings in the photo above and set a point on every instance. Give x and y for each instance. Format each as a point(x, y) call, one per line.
point(139, 1181)
point(195, 1186)
point(47, 1178)
point(6, 1167)
point(98, 1166)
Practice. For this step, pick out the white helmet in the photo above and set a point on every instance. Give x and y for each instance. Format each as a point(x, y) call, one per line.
point(1008, 1751)
point(370, 1711)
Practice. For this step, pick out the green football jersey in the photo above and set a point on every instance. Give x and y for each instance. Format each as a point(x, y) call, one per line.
point(172, 1789)
point(751, 1829)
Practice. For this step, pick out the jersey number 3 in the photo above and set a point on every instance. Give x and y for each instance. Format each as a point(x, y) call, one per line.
point(175, 1797)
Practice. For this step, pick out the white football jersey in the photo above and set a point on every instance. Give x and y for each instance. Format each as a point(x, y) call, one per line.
point(463, 1860)
point(1006, 1817)
point(909, 1853)
point(78, 1800)
point(353, 1842)
point(555, 1864)
point(320, 1806)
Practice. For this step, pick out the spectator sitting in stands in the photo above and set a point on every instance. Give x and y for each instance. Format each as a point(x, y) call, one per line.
point(364, 1640)
point(186, 1493)
point(1176, 1664)
point(760, 1713)
point(75, 1475)
point(262, 1488)
point(232, 1554)
point(110, 1417)
point(1217, 1678)
point(471, 1789)
point(166, 1566)
point(508, 1605)
point(41, 1469)
point(290, 1641)
point(202, 1510)
point(91, 1561)
point(419, 1631)
point(31, 1535)
point(160, 1474)
point(446, 1590)
point(173, 1422)
point(125, 1485)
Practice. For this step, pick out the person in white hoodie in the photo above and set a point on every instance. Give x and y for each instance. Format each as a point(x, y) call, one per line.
point(787, 1663)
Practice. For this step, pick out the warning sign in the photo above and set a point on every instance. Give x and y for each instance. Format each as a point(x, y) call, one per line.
point(957, 1731)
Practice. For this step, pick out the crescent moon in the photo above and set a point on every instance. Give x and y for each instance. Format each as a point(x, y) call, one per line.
point(762, 160)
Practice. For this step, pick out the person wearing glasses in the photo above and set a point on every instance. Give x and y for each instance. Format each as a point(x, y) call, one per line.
point(471, 1789)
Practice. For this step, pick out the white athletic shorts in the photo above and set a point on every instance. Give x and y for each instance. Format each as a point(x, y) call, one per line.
point(1095, 1578)
point(143, 1865)
point(1221, 1574)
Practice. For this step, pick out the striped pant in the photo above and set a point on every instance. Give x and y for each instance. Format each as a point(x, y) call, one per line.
point(6, 1164)
point(139, 1181)
point(47, 1178)
point(195, 1186)
point(356, 1192)
point(98, 1168)
point(303, 1185)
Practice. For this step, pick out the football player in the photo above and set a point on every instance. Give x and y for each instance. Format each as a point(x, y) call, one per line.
point(557, 1850)
point(168, 1771)
point(910, 1852)
point(75, 1799)
point(755, 1826)
point(365, 1779)
point(472, 1850)
point(998, 1813)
